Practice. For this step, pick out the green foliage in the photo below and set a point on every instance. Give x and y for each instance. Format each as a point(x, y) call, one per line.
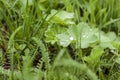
point(59, 40)
point(61, 17)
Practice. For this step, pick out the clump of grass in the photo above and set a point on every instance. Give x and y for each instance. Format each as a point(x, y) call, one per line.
point(59, 40)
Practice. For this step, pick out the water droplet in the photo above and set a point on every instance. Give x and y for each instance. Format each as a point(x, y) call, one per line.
point(71, 38)
point(85, 36)
point(90, 29)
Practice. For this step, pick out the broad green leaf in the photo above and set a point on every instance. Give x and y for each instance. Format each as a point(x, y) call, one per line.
point(87, 37)
point(95, 55)
point(111, 35)
point(52, 31)
point(84, 34)
point(61, 17)
point(107, 45)
point(63, 14)
point(106, 40)
point(64, 39)
point(102, 36)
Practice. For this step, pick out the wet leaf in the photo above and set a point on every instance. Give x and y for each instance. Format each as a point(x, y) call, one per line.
point(64, 39)
point(61, 17)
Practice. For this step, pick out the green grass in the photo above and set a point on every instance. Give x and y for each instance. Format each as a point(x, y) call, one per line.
point(59, 40)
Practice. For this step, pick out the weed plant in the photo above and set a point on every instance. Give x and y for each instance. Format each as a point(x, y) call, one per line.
point(59, 40)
